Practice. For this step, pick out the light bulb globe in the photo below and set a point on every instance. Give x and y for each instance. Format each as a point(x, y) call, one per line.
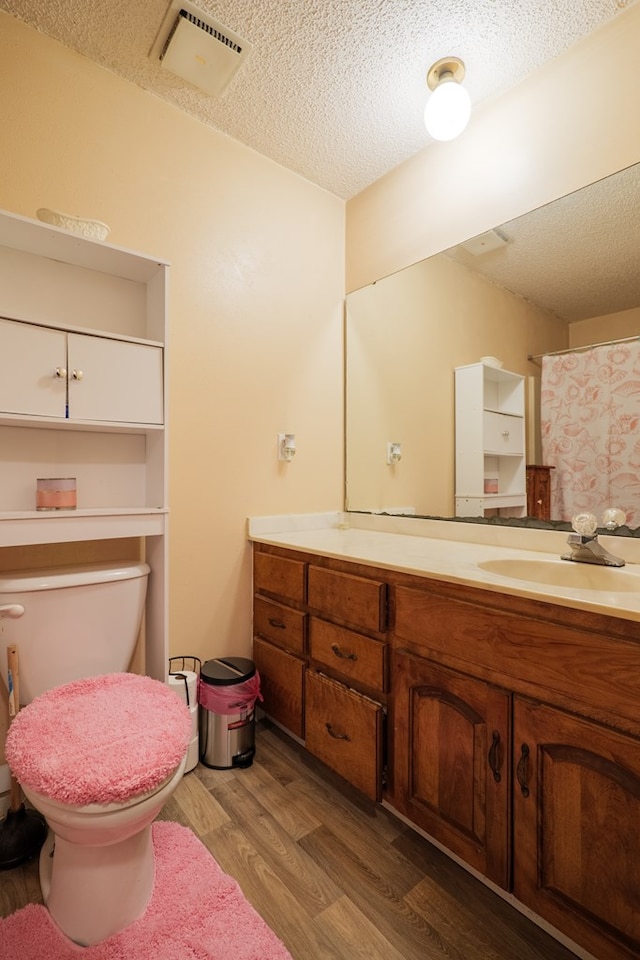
point(447, 111)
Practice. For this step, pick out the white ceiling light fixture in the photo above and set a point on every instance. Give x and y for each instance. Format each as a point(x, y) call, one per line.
point(449, 107)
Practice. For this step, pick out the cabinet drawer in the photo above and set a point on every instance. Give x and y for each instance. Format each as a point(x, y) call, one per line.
point(281, 685)
point(360, 658)
point(281, 625)
point(503, 434)
point(344, 730)
point(356, 600)
point(279, 575)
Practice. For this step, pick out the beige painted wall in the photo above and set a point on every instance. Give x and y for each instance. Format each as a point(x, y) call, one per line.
point(613, 326)
point(256, 288)
point(573, 122)
point(405, 335)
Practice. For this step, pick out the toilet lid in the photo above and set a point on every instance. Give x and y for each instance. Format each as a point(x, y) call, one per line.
point(99, 740)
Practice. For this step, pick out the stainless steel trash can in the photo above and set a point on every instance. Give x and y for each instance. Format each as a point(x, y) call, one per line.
point(227, 694)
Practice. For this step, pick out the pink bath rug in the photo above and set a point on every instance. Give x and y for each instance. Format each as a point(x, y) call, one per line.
point(196, 912)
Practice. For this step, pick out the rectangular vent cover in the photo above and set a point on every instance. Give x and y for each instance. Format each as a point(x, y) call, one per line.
point(196, 48)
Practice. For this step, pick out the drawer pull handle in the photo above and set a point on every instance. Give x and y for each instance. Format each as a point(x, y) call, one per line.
point(278, 624)
point(343, 656)
point(522, 772)
point(337, 736)
point(495, 759)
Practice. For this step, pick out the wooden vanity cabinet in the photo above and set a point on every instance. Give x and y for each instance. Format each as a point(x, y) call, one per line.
point(546, 699)
point(514, 733)
point(320, 648)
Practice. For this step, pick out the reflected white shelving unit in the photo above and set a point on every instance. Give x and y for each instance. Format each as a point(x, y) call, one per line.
point(82, 394)
point(490, 442)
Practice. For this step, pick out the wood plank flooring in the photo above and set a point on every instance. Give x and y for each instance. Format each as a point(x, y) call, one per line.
point(335, 876)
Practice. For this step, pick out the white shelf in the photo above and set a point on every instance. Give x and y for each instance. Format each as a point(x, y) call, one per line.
point(52, 243)
point(82, 426)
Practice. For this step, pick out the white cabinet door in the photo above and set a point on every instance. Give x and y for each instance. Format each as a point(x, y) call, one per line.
point(114, 380)
point(33, 363)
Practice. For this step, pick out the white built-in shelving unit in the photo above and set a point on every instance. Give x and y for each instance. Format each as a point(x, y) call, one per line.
point(83, 394)
point(490, 465)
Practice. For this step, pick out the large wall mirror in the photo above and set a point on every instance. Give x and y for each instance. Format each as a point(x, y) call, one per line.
point(564, 276)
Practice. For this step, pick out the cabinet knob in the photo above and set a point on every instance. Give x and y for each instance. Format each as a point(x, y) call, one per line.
point(77, 374)
point(61, 373)
point(505, 434)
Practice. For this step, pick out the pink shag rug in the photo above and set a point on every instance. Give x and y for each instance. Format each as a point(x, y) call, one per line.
point(196, 912)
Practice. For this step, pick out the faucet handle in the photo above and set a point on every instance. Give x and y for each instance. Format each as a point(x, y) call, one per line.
point(585, 524)
point(612, 518)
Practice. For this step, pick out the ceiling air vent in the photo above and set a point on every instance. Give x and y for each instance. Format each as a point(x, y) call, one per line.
point(195, 47)
point(485, 243)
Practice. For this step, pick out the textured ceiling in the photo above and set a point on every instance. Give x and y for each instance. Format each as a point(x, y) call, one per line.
point(332, 89)
point(578, 256)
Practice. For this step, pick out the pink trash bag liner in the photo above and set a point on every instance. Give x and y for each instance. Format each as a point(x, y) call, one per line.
point(232, 698)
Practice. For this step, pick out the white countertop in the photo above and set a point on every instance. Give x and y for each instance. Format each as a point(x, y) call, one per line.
point(453, 551)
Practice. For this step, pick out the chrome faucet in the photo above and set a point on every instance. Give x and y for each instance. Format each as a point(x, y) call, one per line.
point(584, 544)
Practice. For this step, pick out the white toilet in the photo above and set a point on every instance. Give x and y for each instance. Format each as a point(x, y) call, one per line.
point(97, 751)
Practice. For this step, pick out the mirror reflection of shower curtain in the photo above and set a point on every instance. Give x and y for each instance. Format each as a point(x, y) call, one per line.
point(589, 419)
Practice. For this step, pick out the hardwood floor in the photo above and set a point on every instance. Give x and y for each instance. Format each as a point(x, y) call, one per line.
point(335, 876)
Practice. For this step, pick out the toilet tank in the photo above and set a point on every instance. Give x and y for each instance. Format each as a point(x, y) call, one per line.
point(78, 621)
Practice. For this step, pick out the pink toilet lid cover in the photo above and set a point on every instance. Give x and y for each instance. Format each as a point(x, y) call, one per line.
point(99, 740)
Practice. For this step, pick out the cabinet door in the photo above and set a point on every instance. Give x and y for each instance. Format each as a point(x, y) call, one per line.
point(281, 685)
point(451, 760)
point(577, 828)
point(344, 730)
point(33, 370)
point(114, 380)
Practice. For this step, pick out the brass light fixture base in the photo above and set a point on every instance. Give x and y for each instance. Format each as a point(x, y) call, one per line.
point(447, 65)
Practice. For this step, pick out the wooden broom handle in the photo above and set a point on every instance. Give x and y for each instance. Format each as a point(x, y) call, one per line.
point(12, 663)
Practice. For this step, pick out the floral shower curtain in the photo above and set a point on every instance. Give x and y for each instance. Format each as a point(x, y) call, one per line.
point(589, 418)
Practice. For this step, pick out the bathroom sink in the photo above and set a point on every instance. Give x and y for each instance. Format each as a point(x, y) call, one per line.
point(564, 573)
